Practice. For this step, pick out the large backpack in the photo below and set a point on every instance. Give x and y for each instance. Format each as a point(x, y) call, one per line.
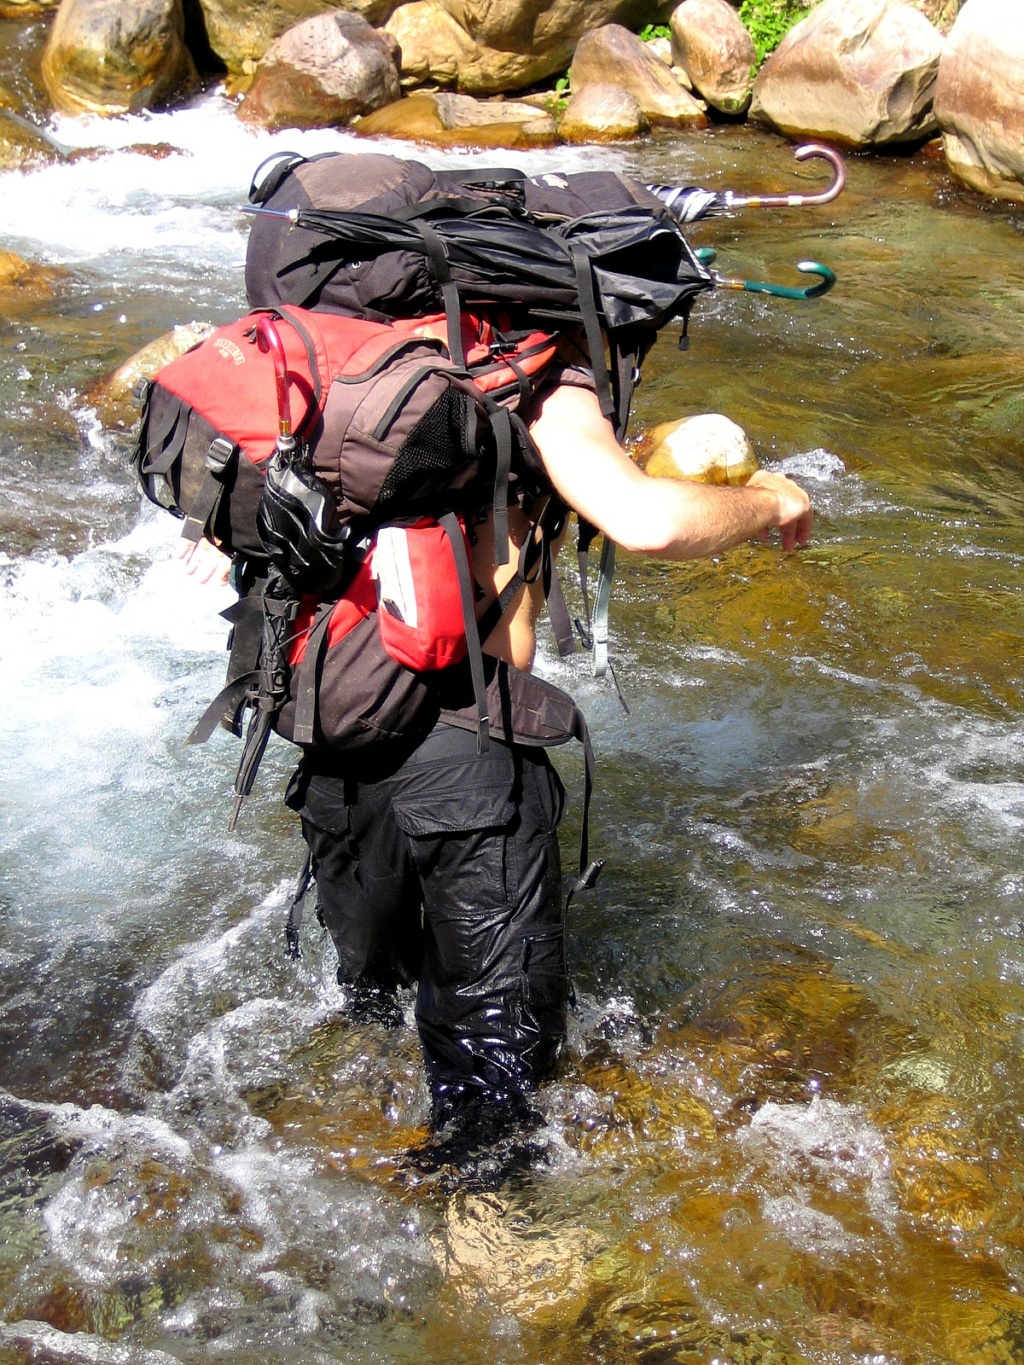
point(381, 237)
point(411, 314)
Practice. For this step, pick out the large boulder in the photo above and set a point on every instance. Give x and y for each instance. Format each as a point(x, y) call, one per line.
point(716, 52)
point(979, 98)
point(442, 118)
point(611, 55)
point(240, 32)
point(602, 113)
point(486, 47)
point(861, 72)
point(117, 56)
point(326, 70)
point(114, 396)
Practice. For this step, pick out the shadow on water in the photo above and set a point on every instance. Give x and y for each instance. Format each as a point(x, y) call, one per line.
point(787, 1128)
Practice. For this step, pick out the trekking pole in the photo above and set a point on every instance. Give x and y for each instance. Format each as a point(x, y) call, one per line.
point(279, 602)
point(690, 203)
point(827, 279)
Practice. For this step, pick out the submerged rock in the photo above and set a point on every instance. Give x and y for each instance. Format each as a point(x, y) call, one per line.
point(716, 52)
point(113, 397)
point(37, 1343)
point(979, 98)
point(114, 57)
point(326, 70)
point(444, 119)
point(613, 56)
point(21, 147)
point(708, 448)
point(25, 283)
point(860, 72)
point(491, 1251)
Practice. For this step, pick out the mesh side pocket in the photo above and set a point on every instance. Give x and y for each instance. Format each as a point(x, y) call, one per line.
point(438, 448)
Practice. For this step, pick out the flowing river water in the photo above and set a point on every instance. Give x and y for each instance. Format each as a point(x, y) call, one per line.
point(789, 1125)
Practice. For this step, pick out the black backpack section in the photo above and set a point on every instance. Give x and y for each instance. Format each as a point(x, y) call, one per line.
point(594, 255)
point(382, 237)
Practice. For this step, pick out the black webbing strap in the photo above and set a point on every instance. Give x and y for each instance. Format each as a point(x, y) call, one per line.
point(304, 678)
point(586, 532)
point(228, 701)
point(558, 615)
point(279, 609)
point(501, 425)
point(452, 528)
point(602, 602)
point(298, 905)
point(588, 871)
point(592, 326)
point(201, 515)
point(158, 437)
point(437, 255)
point(625, 380)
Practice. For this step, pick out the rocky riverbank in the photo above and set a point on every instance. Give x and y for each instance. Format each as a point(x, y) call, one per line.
point(865, 74)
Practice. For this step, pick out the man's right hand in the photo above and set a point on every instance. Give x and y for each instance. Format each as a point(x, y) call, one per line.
point(796, 515)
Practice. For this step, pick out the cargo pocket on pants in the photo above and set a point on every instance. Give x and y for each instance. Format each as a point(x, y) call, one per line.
point(546, 991)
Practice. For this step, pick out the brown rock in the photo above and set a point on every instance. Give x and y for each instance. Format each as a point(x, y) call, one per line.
point(602, 113)
point(716, 51)
point(241, 32)
point(326, 70)
point(613, 56)
point(708, 448)
point(444, 119)
point(24, 283)
point(860, 72)
point(437, 50)
point(26, 9)
point(113, 397)
point(114, 57)
point(525, 25)
point(979, 98)
point(486, 47)
point(21, 147)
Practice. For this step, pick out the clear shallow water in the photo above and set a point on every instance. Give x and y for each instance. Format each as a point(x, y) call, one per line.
point(788, 1127)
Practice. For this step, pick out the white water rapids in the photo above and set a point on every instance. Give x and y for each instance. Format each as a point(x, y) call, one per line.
point(810, 926)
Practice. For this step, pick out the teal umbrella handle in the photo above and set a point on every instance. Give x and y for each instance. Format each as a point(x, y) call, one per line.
point(784, 291)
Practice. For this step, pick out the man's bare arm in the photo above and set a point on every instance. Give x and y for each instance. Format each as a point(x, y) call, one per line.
point(660, 517)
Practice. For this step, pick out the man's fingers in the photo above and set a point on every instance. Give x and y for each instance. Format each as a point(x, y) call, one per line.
point(203, 561)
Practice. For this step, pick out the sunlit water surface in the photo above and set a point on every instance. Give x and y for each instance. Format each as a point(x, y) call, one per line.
point(788, 1127)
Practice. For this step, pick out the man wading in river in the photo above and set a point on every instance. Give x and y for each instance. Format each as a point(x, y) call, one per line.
point(446, 869)
point(398, 623)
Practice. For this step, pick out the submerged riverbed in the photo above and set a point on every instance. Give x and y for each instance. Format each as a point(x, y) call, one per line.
point(789, 1125)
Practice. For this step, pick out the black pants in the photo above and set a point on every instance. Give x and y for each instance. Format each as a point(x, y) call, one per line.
point(447, 871)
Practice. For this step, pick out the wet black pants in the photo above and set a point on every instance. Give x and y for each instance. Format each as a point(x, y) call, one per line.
point(447, 872)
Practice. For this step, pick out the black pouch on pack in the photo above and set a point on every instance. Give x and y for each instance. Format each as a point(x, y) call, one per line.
point(522, 709)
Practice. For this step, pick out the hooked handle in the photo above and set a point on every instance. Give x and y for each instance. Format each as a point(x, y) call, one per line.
point(826, 280)
point(809, 151)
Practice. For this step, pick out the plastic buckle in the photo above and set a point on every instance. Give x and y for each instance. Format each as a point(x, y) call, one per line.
point(220, 455)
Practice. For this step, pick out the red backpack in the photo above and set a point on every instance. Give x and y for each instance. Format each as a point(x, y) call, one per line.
point(385, 423)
